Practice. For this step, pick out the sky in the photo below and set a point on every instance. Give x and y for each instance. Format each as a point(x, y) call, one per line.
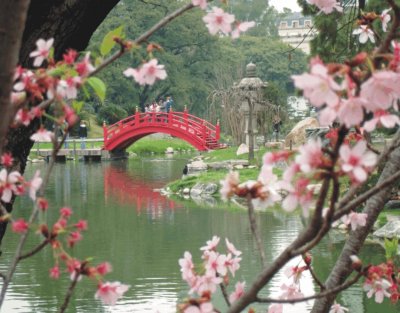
point(280, 4)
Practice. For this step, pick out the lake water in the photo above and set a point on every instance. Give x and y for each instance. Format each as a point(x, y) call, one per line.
point(143, 234)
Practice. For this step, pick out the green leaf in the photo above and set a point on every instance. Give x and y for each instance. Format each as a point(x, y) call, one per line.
point(86, 92)
point(391, 248)
point(108, 41)
point(98, 86)
point(77, 105)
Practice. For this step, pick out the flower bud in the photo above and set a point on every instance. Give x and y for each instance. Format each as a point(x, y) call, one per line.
point(356, 263)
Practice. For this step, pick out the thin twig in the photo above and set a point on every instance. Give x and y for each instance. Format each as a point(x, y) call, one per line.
point(316, 296)
point(69, 292)
point(35, 250)
point(254, 230)
point(225, 293)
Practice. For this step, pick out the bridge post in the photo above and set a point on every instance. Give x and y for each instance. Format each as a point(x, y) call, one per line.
point(185, 117)
point(105, 130)
point(217, 131)
point(137, 116)
point(204, 132)
point(170, 117)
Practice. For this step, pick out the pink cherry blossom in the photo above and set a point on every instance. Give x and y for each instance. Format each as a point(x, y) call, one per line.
point(364, 33)
point(232, 264)
point(351, 111)
point(148, 73)
point(66, 212)
point(8, 184)
point(310, 156)
point(55, 272)
point(326, 6)
point(294, 272)
point(318, 86)
point(216, 264)
point(206, 307)
point(34, 185)
point(337, 308)
point(291, 292)
point(7, 159)
point(298, 195)
point(42, 51)
point(217, 20)
point(211, 245)
point(104, 268)
point(19, 226)
point(239, 291)
point(231, 248)
point(241, 28)
point(356, 161)
point(109, 293)
point(42, 135)
point(381, 117)
point(275, 308)
point(207, 283)
point(201, 3)
point(18, 98)
point(355, 220)
point(385, 19)
point(268, 193)
point(68, 88)
point(328, 115)
point(187, 266)
point(378, 287)
point(228, 184)
point(73, 238)
point(23, 117)
point(85, 67)
point(81, 225)
point(272, 157)
point(381, 90)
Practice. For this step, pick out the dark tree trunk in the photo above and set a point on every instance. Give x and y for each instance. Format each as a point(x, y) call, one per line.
point(71, 23)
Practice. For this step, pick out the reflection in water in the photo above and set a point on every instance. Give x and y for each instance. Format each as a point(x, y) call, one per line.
point(143, 234)
point(128, 189)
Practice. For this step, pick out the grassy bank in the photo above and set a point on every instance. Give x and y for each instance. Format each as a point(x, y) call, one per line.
point(159, 145)
point(215, 176)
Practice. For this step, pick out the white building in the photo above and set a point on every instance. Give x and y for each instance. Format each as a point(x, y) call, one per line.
point(297, 30)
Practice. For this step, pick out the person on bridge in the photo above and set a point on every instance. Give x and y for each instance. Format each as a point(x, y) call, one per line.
point(169, 104)
point(83, 134)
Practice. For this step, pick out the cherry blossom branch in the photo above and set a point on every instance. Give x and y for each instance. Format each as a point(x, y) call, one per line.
point(32, 218)
point(315, 277)
point(70, 291)
point(316, 296)
point(366, 195)
point(142, 38)
point(384, 47)
point(254, 229)
point(225, 293)
point(34, 251)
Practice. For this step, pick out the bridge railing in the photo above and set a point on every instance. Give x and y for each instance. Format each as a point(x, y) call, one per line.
point(203, 130)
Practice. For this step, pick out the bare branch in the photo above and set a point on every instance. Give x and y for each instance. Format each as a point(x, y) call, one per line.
point(254, 230)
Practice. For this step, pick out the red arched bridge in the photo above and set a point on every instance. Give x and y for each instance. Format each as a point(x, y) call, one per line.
point(198, 132)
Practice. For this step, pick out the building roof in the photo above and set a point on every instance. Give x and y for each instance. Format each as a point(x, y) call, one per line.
point(295, 16)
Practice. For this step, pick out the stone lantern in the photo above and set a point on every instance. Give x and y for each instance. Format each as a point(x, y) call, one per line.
point(251, 90)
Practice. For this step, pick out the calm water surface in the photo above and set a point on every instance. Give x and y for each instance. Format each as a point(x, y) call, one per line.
point(143, 234)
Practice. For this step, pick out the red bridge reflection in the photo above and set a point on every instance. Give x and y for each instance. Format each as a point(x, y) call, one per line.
point(134, 190)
